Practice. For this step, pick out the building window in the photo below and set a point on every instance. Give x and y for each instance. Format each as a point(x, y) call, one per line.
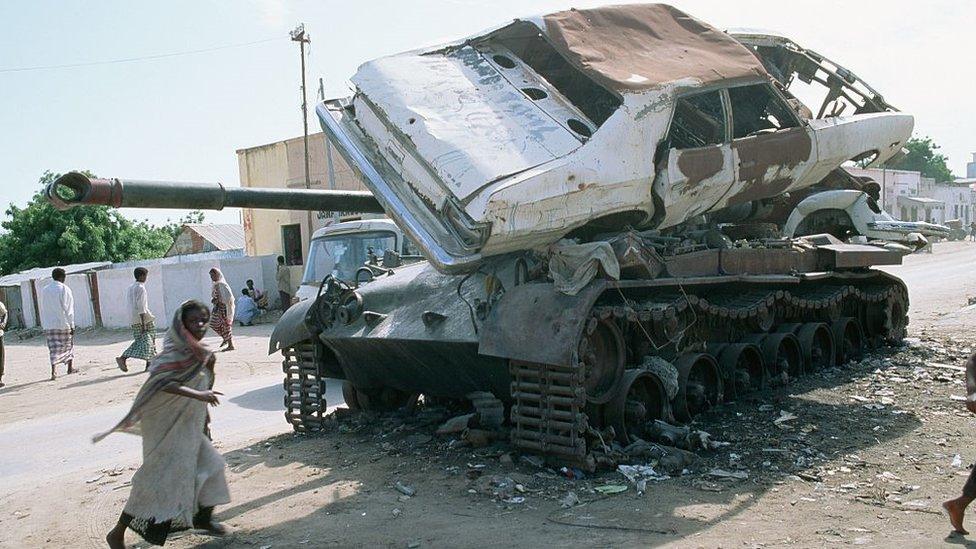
point(291, 243)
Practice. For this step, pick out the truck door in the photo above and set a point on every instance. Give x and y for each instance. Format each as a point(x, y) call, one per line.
point(772, 148)
point(699, 168)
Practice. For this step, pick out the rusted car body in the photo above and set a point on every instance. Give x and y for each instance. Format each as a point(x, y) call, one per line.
point(514, 138)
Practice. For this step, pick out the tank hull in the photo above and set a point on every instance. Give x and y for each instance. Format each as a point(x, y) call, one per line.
point(564, 363)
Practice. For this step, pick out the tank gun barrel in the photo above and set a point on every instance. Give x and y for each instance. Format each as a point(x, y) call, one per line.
point(76, 189)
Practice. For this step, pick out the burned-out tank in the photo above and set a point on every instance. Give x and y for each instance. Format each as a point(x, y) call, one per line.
point(625, 218)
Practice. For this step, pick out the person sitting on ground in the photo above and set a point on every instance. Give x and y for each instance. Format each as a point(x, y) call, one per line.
point(956, 508)
point(260, 298)
point(182, 476)
point(247, 309)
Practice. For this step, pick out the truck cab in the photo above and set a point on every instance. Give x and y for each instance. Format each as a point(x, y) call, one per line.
point(343, 248)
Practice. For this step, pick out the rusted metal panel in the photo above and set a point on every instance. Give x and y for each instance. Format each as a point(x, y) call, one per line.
point(556, 319)
point(851, 256)
point(767, 261)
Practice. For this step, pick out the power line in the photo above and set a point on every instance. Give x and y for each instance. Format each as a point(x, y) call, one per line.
point(134, 59)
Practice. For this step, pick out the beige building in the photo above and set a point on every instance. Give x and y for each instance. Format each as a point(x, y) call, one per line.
point(282, 165)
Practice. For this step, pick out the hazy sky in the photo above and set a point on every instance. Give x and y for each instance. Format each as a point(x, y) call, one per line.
point(183, 117)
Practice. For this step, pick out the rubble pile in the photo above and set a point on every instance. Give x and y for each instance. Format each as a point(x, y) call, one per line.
point(815, 430)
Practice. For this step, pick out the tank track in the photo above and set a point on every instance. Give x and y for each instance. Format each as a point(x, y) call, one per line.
point(305, 404)
point(720, 342)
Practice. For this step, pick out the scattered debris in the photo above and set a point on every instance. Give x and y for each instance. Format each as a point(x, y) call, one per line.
point(722, 473)
point(455, 425)
point(569, 500)
point(609, 489)
point(408, 491)
point(638, 475)
point(784, 417)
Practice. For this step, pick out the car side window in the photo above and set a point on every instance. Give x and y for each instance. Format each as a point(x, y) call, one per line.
point(757, 109)
point(699, 121)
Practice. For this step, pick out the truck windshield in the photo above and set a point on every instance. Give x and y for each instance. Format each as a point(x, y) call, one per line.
point(342, 254)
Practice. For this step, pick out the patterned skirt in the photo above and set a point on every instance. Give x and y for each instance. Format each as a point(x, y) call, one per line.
point(220, 323)
point(143, 342)
point(61, 344)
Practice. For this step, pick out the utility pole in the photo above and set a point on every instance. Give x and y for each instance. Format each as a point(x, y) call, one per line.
point(299, 35)
point(328, 154)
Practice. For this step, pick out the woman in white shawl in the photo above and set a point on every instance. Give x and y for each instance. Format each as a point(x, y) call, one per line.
point(222, 316)
point(182, 475)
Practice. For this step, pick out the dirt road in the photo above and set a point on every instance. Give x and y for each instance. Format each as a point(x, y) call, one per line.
point(867, 461)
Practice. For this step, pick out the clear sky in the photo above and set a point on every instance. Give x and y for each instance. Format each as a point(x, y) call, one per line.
point(183, 117)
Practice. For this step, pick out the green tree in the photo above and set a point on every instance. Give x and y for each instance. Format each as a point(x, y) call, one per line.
point(38, 235)
point(174, 229)
point(922, 157)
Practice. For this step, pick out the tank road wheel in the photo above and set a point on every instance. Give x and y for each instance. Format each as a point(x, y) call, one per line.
point(351, 396)
point(640, 399)
point(872, 321)
point(742, 363)
point(896, 318)
point(602, 354)
point(817, 344)
point(848, 339)
point(382, 399)
point(699, 385)
point(783, 357)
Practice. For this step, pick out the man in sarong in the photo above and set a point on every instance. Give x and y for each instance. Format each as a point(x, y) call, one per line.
point(222, 316)
point(143, 345)
point(3, 326)
point(57, 308)
point(182, 476)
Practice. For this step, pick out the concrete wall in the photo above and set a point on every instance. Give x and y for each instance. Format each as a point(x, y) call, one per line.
point(282, 165)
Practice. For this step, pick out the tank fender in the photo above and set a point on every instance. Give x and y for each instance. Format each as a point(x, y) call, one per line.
point(291, 328)
point(537, 323)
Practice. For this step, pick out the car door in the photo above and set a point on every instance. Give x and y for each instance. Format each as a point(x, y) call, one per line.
point(699, 169)
point(773, 149)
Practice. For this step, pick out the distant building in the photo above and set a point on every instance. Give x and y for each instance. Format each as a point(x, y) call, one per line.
point(971, 168)
point(282, 165)
point(196, 238)
point(906, 195)
point(959, 198)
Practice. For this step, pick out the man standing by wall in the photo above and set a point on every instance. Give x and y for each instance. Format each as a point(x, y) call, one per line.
point(284, 284)
point(3, 326)
point(58, 321)
point(143, 324)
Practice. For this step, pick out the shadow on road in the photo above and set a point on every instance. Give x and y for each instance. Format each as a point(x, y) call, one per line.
point(265, 399)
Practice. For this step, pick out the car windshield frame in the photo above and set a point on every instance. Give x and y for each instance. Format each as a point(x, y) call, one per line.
point(318, 245)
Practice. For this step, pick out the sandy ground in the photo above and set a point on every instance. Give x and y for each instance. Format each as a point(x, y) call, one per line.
point(867, 461)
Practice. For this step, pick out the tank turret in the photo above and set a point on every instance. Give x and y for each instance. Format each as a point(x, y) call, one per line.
point(76, 189)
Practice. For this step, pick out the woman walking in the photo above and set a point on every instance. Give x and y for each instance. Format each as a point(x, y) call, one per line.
point(182, 475)
point(222, 319)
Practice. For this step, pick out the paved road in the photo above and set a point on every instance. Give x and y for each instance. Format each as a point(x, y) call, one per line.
point(252, 409)
point(939, 285)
